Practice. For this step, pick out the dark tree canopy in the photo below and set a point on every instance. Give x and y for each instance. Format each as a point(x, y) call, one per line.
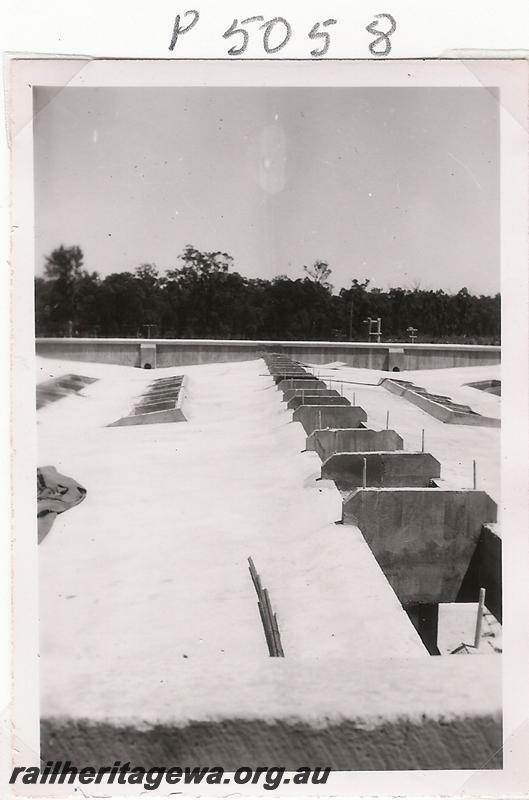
point(201, 296)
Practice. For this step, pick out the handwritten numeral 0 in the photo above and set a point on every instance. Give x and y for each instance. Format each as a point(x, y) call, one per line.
point(383, 36)
point(269, 26)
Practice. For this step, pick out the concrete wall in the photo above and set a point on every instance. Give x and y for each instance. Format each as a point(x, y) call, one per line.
point(176, 352)
point(351, 440)
point(423, 539)
point(485, 571)
point(315, 417)
point(318, 400)
point(395, 468)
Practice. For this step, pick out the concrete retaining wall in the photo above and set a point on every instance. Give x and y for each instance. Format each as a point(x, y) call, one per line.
point(177, 352)
point(351, 440)
point(395, 468)
point(316, 417)
point(423, 539)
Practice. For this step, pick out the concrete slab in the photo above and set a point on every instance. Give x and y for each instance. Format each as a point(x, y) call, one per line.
point(394, 468)
point(352, 440)
point(317, 417)
point(318, 400)
point(423, 539)
point(392, 714)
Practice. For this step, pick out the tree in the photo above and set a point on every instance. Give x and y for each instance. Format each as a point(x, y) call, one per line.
point(319, 272)
point(63, 270)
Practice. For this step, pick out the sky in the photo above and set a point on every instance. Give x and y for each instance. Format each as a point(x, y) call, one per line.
point(399, 185)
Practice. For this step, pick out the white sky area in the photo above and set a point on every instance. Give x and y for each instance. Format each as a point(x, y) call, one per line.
point(400, 185)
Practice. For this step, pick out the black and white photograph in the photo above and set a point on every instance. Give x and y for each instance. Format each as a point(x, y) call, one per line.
point(267, 313)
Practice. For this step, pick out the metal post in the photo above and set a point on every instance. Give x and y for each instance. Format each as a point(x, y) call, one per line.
point(364, 473)
point(474, 479)
point(319, 420)
point(422, 441)
point(479, 619)
point(387, 420)
point(354, 398)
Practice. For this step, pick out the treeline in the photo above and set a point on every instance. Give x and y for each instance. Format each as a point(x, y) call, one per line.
point(202, 297)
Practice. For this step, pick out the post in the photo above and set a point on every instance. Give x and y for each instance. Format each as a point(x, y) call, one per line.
point(422, 441)
point(479, 619)
point(364, 473)
point(319, 420)
point(474, 479)
point(354, 398)
point(387, 420)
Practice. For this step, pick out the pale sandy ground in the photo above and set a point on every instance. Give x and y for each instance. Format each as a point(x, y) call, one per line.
point(146, 581)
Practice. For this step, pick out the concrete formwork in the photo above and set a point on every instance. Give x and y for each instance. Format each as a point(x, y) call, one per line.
point(326, 416)
point(423, 539)
point(394, 468)
point(352, 440)
point(318, 400)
